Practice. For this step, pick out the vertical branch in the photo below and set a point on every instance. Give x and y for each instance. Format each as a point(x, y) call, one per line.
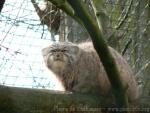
point(102, 50)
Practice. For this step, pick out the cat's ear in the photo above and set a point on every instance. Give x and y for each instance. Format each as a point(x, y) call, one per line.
point(74, 49)
point(75, 52)
point(46, 50)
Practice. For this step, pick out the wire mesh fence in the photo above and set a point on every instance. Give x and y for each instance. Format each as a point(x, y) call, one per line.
point(20, 46)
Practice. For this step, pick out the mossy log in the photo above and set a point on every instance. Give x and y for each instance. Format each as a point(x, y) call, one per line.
point(25, 100)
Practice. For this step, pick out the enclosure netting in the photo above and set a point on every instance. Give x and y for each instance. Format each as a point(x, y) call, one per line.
point(22, 37)
point(21, 41)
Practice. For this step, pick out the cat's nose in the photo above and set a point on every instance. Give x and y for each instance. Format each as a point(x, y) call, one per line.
point(58, 55)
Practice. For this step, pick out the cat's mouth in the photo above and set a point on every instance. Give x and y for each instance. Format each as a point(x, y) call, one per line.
point(58, 59)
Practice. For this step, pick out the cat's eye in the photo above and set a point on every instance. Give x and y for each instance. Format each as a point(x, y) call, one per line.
point(63, 50)
point(53, 51)
point(57, 50)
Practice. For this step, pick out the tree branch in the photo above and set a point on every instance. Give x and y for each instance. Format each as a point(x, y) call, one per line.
point(122, 19)
point(100, 13)
point(62, 4)
point(126, 46)
point(102, 49)
point(38, 10)
point(24, 100)
point(80, 12)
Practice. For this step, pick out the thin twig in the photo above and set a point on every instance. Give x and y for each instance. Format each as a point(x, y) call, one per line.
point(126, 46)
point(122, 20)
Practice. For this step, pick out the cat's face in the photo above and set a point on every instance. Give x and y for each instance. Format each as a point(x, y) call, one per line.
point(59, 56)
